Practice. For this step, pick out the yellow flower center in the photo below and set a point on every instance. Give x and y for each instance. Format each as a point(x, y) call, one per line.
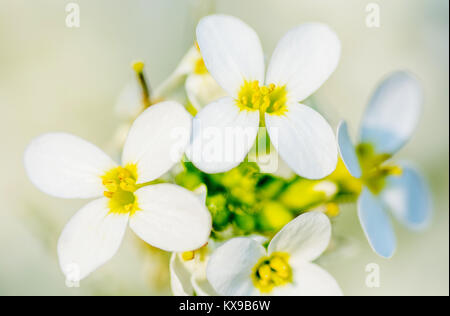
point(120, 184)
point(266, 99)
point(374, 171)
point(271, 272)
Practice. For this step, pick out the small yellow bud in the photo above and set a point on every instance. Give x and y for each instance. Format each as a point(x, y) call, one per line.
point(188, 255)
point(332, 209)
point(138, 66)
point(396, 171)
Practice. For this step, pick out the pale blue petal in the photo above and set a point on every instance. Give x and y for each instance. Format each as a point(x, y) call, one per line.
point(393, 113)
point(408, 197)
point(376, 224)
point(347, 150)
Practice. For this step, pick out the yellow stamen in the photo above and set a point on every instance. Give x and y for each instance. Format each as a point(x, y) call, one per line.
point(280, 267)
point(271, 272)
point(265, 99)
point(265, 272)
point(332, 209)
point(138, 67)
point(375, 170)
point(200, 67)
point(120, 184)
point(108, 194)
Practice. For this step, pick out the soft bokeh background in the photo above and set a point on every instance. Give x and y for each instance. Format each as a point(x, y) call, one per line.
point(53, 78)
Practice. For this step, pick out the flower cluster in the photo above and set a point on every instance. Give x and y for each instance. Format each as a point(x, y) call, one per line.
point(194, 181)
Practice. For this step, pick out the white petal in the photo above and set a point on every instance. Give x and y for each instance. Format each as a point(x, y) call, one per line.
point(376, 224)
point(202, 90)
point(348, 151)
point(66, 166)
point(304, 59)
point(230, 267)
point(309, 280)
point(202, 193)
point(222, 136)
point(157, 140)
point(304, 238)
point(90, 239)
point(185, 67)
point(409, 198)
point(304, 140)
point(171, 218)
point(180, 277)
point(393, 113)
point(129, 103)
point(202, 287)
point(231, 50)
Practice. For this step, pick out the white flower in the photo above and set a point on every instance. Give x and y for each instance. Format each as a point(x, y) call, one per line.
point(188, 272)
point(243, 267)
point(200, 87)
point(164, 215)
point(388, 123)
point(225, 130)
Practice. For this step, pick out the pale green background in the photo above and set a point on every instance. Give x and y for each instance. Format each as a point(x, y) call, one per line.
point(53, 78)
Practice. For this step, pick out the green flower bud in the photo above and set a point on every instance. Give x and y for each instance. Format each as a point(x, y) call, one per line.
point(217, 205)
point(244, 221)
point(274, 216)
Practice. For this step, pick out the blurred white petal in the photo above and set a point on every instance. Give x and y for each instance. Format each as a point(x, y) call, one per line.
point(180, 277)
point(202, 90)
point(408, 197)
point(393, 113)
point(348, 151)
point(376, 224)
point(184, 68)
point(202, 287)
point(129, 103)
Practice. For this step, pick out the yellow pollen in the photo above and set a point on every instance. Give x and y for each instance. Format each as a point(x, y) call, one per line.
point(271, 272)
point(374, 168)
point(120, 184)
point(265, 99)
point(200, 67)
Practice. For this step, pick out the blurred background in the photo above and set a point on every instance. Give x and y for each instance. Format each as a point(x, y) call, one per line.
point(55, 78)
